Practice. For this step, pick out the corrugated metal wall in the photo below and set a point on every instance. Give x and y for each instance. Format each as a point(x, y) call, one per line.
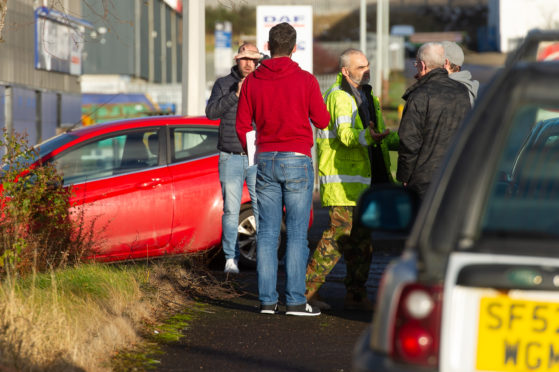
point(142, 39)
point(113, 50)
point(17, 52)
point(34, 101)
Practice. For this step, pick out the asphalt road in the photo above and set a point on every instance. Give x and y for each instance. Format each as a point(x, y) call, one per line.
point(231, 335)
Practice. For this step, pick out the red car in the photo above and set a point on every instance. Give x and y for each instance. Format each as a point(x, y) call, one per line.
point(151, 185)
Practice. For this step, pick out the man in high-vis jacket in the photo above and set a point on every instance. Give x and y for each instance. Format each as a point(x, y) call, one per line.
point(352, 153)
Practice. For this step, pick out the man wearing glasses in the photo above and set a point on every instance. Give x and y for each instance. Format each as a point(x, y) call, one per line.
point(435, 106)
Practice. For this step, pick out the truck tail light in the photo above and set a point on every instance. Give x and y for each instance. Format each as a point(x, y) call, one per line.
point(416, 333)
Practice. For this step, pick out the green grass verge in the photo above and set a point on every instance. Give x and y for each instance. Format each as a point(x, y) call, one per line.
point(92, 281)
point(78, 316)
point(397, 87)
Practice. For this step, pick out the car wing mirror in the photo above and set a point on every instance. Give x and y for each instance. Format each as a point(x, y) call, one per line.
point(388, 209)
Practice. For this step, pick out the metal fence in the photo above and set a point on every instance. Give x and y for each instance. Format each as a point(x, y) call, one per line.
point(335, 6)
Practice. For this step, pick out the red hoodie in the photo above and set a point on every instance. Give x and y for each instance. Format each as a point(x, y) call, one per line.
point(280, 98)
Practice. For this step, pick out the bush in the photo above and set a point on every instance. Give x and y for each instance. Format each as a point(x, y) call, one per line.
point(37, 229)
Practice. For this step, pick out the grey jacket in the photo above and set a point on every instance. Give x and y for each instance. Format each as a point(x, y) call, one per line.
point(223, 105)
point(465, 77)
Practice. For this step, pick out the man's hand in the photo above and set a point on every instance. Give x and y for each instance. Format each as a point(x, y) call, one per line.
point(239, 85)
point(378, 136)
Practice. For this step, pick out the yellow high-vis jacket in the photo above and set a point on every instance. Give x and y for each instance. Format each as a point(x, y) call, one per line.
point(344, 167)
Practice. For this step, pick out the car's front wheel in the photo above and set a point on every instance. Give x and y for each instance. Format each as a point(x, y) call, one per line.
point(247, 238)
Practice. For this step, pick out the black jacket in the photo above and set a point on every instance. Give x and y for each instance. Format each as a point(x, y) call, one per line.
point(435, 107)
point(223, 105)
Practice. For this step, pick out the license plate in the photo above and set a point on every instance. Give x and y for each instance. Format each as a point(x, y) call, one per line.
point(517, 335)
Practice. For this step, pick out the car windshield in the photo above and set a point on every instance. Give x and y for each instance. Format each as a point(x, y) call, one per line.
point(525, 196)
point(539, 45)
point(43, 149)
point(54, 143)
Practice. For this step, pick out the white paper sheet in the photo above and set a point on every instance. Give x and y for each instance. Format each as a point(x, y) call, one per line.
point(251, 146)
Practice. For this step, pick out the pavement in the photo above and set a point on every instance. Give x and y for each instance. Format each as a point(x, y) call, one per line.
point(230, 335)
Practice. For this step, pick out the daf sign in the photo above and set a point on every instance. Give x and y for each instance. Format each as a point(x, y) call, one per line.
point(300, 17)
point(280, 19)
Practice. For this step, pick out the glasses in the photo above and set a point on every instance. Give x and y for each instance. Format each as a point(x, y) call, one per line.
point(416, 62)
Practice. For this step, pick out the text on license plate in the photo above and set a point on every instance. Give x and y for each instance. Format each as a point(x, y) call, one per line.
point(517, 335)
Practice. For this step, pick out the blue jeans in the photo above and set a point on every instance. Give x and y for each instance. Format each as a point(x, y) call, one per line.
point(283, 178)
point(233, 170)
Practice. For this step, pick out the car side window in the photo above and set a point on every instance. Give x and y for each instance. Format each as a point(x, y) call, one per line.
point(525, 194)
point(119, 154)
point(192, 142)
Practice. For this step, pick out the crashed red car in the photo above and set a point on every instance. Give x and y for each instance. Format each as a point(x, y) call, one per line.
point(151, 185)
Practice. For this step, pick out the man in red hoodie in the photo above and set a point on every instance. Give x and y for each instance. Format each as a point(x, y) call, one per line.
point(282, 100)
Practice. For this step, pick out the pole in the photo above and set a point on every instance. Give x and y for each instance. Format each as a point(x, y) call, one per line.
point(151, 43)
point(184, 67)
point(137, 39)
point(363, 27)
point(193, 57)
point(386, 36)
point(386, 50)
point(379, 52)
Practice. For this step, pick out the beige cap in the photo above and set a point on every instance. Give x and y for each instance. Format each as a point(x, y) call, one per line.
point(251, 54)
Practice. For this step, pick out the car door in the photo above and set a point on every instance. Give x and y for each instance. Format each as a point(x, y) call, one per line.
point(198, 203)
point(122, 187)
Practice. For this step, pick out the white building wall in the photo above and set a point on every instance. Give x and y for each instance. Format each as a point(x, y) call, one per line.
point(512, 19)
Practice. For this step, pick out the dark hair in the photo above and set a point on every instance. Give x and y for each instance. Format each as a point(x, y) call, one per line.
point(455, 68)
point(281, 39)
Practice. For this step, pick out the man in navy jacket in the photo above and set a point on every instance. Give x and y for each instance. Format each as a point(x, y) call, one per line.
point(233, 161)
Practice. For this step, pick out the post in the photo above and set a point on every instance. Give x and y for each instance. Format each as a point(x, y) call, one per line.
point(363, 27)
point(163, 46)
point(137, 39)
point(379, 54)
point(386, 44)
point(151, 44)
point(193, 58)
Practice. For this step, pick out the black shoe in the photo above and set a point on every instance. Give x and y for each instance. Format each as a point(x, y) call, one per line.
point(317, 301)
point(269, 309)
point(358, 303)
point(302, 310)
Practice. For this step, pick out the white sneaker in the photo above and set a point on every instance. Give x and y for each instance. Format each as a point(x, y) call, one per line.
point(231, 266)
point(302, 310)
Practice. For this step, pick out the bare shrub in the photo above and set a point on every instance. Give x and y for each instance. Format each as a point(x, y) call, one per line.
point(37, 229)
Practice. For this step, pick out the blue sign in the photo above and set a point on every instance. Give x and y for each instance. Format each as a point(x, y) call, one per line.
point(222, 36)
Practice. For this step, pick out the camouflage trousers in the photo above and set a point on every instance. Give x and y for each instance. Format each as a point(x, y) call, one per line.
point(340, 239)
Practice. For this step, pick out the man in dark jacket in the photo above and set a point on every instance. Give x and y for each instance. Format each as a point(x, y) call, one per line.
point(233, 161)
point(435, 106)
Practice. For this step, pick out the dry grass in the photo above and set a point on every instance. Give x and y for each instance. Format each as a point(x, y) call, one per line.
point(76, 319)
point(69, 320)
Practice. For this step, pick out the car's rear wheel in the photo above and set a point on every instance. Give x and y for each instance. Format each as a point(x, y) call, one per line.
point(247, 238)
